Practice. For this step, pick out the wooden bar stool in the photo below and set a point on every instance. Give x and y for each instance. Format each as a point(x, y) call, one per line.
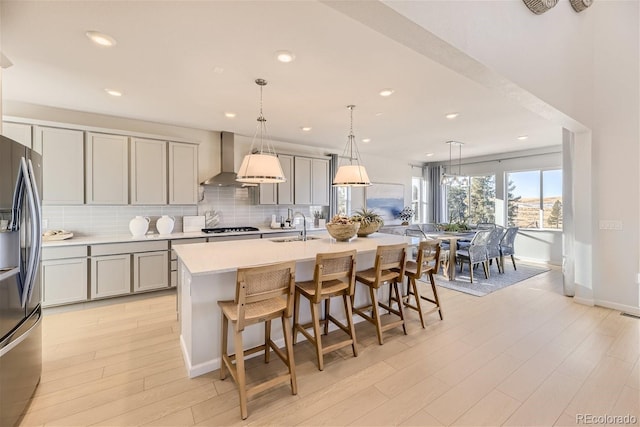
point(428, 253)
point(333, 276)
point(262, 294)
point(388, 268)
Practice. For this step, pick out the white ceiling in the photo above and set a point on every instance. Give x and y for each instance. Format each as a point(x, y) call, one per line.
point(169, 54)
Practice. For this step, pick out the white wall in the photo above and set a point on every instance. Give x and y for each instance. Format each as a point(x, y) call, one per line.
point(585, 65)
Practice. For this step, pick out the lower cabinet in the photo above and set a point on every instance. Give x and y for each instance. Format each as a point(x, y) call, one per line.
point(150, 271)
point(65, 279)
point(110, 275)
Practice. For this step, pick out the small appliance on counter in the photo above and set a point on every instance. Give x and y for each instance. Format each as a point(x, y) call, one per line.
point(193, 223)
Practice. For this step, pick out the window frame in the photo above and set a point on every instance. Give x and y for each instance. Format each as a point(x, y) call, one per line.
point(541, 217)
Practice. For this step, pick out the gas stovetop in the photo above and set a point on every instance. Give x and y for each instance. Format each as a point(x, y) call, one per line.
point(229, 229)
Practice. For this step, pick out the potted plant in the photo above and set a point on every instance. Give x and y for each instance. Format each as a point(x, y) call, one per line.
point(369, 220)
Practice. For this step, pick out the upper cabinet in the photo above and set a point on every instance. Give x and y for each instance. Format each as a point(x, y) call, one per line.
point(311, 181)
point(107, 169)
point(285, 189)
point(183, 173)
point(148, 172)
point(62, 165)
point(19, 132)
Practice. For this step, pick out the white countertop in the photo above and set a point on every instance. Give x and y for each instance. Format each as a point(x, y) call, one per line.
point(220, 257)
point(124, 238)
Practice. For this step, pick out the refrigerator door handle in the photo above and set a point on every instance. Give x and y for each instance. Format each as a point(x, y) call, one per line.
point(33, 248)
point(36, 236)
point(18, 193)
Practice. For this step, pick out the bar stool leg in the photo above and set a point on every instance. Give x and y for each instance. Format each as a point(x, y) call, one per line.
point(267, 338)
point(296, 315)
point(327, 310)
point(400, 309)
point(240, 374)
point(435, 293)
point(352, 329)
point(316, 332)
point(375, 313)
point(287, 331)
point(223, 347)
point(416, 296)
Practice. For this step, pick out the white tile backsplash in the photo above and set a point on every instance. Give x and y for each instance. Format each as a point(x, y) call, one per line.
point(234, 207)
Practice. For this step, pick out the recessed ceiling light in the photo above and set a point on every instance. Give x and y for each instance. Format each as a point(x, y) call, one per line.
point(379, 113)
point(101, 39)
point(429, 154)
point(305, 128)
point(386, 92)
point(366, 140)
point(218, 70)
point(229, 115)
point(285, 56)
point(451, 116)
point(522, 137)
point(113, 92)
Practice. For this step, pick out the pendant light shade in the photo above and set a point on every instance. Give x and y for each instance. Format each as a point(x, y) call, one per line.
point(352, 174)
point(263, 166)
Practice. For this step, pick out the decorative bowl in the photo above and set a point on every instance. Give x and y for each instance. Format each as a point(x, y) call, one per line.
point(365, 230)
point(343, 232)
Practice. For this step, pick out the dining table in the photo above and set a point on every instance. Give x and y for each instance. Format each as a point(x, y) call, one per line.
point(452, 238)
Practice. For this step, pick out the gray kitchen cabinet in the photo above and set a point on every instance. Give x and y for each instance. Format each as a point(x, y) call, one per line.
point(150, 271)
point(110, 275)
point(107, 169)
point(320, 182)
point(183, 173)
point(311, 184)
point(63, 274)
point(302, 180)
point(62, 165)
point(285, 189)
point(19, 132)
point(148, 172)
point(268, 194)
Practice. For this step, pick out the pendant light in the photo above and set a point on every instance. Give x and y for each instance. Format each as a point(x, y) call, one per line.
point(450, 177)
point(263, 166)
point(351, 175)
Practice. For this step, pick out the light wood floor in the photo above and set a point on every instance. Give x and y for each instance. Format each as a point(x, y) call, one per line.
point(524, 355)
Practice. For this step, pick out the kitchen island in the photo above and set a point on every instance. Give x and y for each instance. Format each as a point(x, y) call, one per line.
point(207, 274)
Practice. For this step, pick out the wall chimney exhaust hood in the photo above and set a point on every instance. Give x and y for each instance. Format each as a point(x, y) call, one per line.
point(227, 176)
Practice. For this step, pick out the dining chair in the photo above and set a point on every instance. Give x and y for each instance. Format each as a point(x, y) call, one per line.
point(426, 262)
point(507, 246)
point(263, 293)
point(476, 253)
point(493, 247)
point(333, 276)
point(388, 268)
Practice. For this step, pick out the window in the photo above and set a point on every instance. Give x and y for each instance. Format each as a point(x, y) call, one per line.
point(535, 199)
point(472, 200)
point(419, 199)
point(343, 203)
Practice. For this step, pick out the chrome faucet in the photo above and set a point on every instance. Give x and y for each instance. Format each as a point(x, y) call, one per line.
point(304, 225)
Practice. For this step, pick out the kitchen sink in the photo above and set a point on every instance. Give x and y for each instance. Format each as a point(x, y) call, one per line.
point(294, 239)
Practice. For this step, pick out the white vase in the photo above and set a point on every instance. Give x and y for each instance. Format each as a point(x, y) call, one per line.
point(139, 226)
point(164, 224)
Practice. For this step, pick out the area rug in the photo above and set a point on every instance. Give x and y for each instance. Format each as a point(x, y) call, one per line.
point(481, 286)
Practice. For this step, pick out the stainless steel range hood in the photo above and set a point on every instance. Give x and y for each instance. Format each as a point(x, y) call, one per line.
point(227, 176)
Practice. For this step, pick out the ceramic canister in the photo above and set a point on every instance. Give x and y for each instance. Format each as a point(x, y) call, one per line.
point(139, 226)
point(164, 224)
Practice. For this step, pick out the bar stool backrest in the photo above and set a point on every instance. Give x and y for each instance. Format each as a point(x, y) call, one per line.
point(335, 266)
point(390, 257)
point(263, 285)
point(428, 251)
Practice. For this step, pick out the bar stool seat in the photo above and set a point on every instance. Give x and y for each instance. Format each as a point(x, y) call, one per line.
point(388, 268)
point(263, 293)
point(334, 276)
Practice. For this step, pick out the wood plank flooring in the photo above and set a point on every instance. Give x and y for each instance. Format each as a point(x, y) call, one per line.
point(525, 355)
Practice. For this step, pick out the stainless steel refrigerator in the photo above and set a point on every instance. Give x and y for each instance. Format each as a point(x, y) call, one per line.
point(20, 249)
